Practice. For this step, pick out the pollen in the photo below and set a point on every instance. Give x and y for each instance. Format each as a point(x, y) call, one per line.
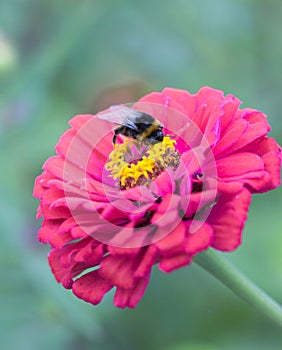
point(133, 163)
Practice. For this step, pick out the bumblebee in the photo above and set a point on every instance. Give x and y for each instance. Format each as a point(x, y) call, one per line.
point(134, 124)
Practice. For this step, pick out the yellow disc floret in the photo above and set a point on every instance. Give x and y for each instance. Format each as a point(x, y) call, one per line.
point(141, 169)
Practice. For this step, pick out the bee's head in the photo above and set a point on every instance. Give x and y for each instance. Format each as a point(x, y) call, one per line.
point(157, 135)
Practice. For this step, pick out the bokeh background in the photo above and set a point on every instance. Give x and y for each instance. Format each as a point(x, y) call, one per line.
point(59, 58)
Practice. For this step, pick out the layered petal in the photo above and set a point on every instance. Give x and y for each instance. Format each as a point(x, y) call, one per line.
point(130, 297)
point(227, 218)
point(91, 287)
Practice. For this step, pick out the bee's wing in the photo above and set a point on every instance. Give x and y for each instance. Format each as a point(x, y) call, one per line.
point(121, 115)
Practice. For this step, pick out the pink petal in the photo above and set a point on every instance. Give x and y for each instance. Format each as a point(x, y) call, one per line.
point(233, 133)
point(229, 187)
point(272, 163)
point(93, 250)
point(129, 252)
point(164, 184)
point(172, 240)
point(270, 153)
point(69, 252)
point(64, 143)
point(67, 225)
point(164, 98)
point(48, 233)
point(252, 133)
point(50, 195)
point(63, 170)
point(208, 119)
point(227, 218)
point(206, 93)
point(66, 262)
point(190, 162)
point(199, 240)
point(167, 213)
point(78, 232)
point(253, 117)
point(183, 98)
point(81, 154)
point(61, 273)
point(41, 184)
point(48, 228)
point(138, 193)
point(123, 236)
point(263, 146)
point(168, 264)
point(119, 270)
point(91, 287)
point(196, 202)
point(148, 260)
point(55, 213)
point(80, 120)
point(94, 131)
point(230, 108)
point(130, 297)
point(240, 166)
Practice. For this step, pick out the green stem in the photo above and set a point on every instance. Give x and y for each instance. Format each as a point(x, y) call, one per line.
point(239, 284)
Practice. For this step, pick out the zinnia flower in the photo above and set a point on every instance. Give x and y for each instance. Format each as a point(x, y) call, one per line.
point(110, 213)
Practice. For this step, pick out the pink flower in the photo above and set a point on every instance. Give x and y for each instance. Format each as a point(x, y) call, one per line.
point(119, 211)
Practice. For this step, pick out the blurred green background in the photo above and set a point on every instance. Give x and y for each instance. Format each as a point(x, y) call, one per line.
point(63, 57)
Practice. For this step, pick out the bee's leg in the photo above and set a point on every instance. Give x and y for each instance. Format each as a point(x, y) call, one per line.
point(117, 132)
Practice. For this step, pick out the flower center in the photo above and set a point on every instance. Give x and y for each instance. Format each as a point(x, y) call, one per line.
point(134, 163)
